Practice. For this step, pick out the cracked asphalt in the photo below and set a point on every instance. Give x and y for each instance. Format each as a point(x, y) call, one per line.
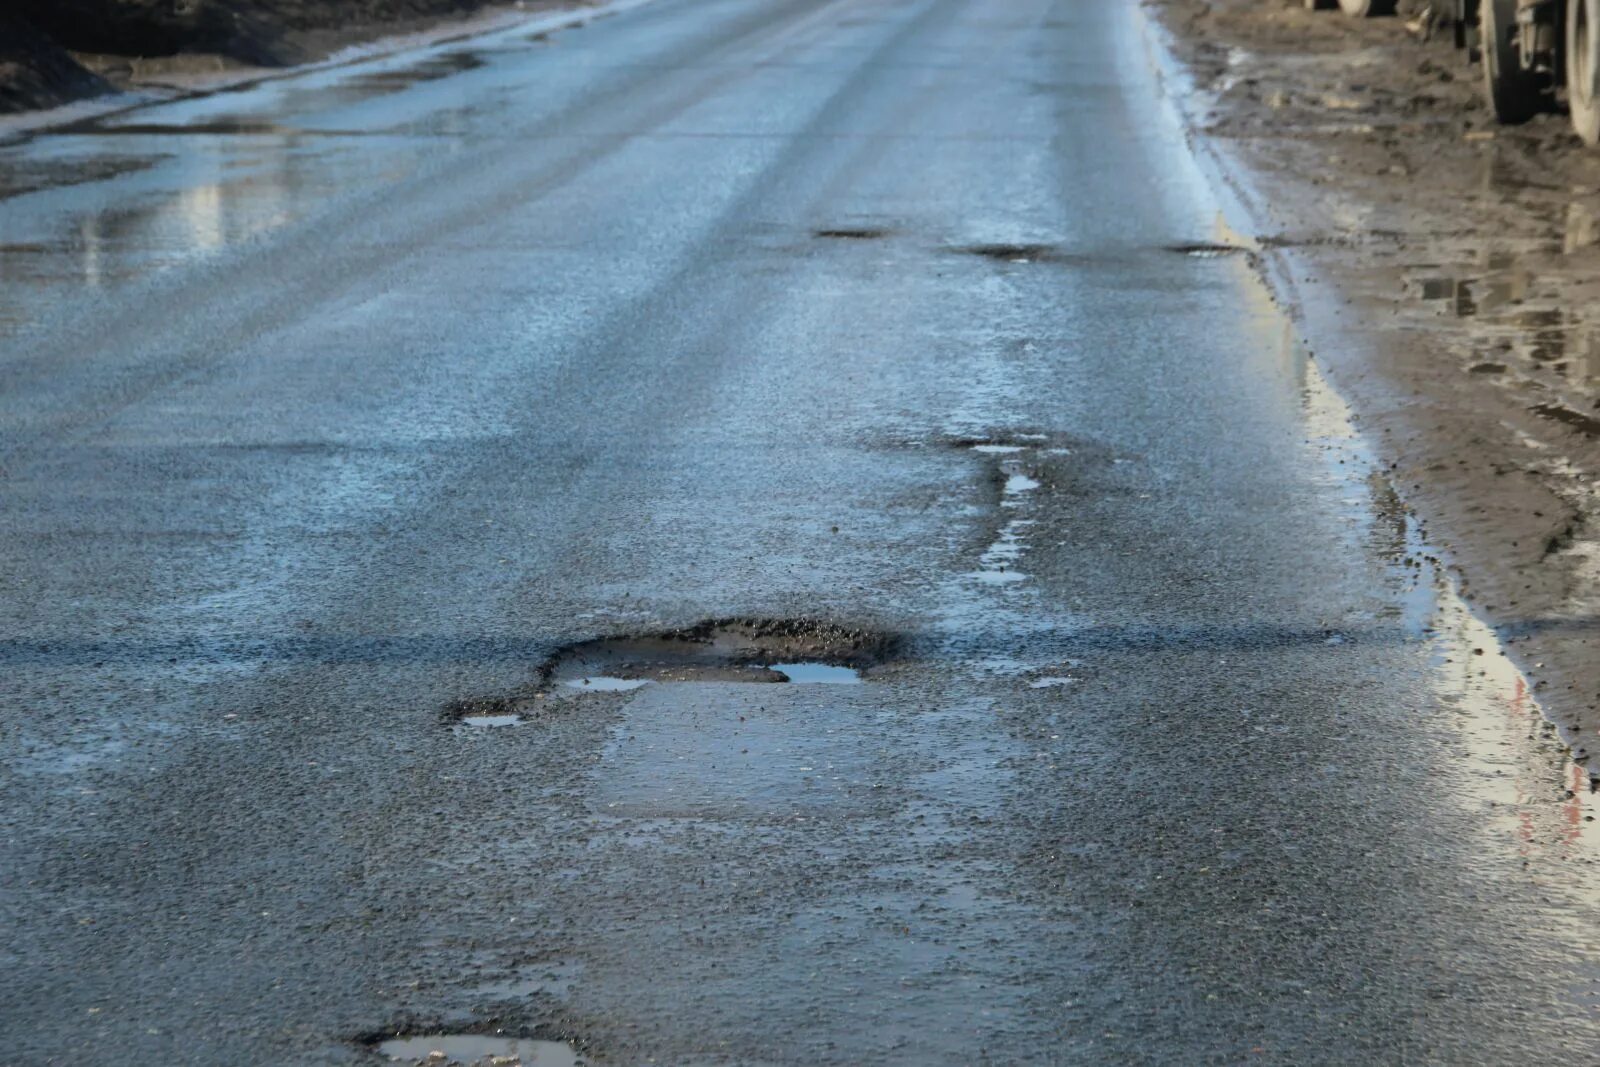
point(338, 402)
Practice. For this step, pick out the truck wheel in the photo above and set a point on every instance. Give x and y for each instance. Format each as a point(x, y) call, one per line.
point(1513, 92)
point(1583, 67)
point(1363, 8)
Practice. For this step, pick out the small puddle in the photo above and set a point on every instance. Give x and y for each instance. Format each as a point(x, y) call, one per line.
point(605, 684)
point(491, 720)
point(1020, 483)
point(1585, 424)
point(473, 1049)
point(817, 673)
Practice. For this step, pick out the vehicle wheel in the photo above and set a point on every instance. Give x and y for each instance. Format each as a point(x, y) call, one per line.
point(1583, 66)
point(1513, 92)
point(1363, 8)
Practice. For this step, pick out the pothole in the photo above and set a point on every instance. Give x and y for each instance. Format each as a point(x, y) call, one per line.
point(603, 684)
point(1012, 253)
point(1010, 442)
point(1207, 250)
point(756, 651)
point(852, 233)
point(442, 1050)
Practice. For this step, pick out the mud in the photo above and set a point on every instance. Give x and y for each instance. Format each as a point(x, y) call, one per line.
point(1444, 271)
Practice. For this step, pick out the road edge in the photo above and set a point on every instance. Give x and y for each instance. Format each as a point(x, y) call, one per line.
point(1311, 303)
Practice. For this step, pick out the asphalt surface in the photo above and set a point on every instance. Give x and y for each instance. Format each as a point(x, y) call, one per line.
point(333, 403)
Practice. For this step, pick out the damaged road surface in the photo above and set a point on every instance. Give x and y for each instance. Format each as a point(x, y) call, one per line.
point(1000, 645)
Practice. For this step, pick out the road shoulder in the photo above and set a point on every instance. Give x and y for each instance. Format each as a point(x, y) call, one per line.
point(1442, 270)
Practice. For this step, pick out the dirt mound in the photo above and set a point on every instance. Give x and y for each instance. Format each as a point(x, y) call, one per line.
point(37, 37)
point(35, 72)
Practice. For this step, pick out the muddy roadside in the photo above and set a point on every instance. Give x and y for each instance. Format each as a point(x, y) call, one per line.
point(51, 56)
point(1445, 272)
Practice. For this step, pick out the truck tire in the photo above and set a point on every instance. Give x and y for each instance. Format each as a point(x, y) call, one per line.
point(1514, 93)
point(1583, 68)
point(1363, 8)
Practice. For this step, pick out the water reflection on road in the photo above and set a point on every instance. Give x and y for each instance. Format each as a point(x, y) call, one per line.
point(102, 202)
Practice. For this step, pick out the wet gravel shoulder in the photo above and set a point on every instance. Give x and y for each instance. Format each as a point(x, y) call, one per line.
point(1442, 269)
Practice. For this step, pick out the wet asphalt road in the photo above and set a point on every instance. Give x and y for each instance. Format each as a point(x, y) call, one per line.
point(331, 402)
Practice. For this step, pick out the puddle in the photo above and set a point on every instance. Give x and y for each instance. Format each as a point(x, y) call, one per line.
point(473, 1049)
point(997, 576)
point(491, 720)
point(604, 684)
point(1466, 297)
point(817, 674)
point(1020, 483)
point(1586, 424)
point(997, 564)
point(483, 713)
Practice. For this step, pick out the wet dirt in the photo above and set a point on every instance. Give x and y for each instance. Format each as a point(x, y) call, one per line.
point(1444, 271)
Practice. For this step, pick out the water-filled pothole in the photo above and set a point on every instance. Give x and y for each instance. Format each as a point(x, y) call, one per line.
point(605, 684)
point(733, 650)
point(509, 719)
point(442, 1050)
point(818, 674)
point(771, 651)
